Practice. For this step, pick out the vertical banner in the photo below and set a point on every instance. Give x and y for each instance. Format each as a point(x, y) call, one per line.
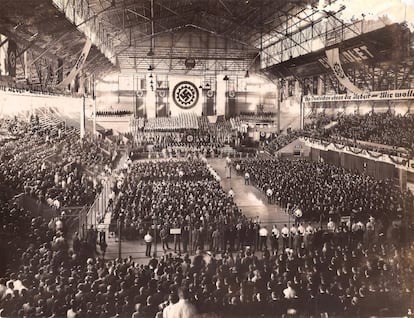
point(60, 71)
point(26, 68)
point(290, 88)
point(140, 103)
point(78, 65)
point(82, 119)
point(335, 63)
point(3, 54)
point(210, 97)
point(161, 102)
point(11, 58)
point(185, 95)
point(315, 84)
point(231, 104)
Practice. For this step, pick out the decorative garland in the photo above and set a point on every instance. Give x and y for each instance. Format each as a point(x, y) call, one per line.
point(374, 155)
point(355, 151)
point(403, 162)
point(339, 147)
point(325, 144)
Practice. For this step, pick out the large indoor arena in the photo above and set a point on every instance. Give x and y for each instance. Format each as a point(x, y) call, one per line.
point(206, 158)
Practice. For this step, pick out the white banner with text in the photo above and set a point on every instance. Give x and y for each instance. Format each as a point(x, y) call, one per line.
point(368, 96)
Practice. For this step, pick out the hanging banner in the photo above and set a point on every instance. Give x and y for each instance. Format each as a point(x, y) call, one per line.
point(140, 103)
point(185, 95)
point(11, 58)
point(231, 104)
point(369, 96)
point(60, 71)
point(210, 102)
point(78, 65)
point(335, 63)
point(161, 102)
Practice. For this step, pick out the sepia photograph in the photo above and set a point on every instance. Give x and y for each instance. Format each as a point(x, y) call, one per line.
point(206, 159)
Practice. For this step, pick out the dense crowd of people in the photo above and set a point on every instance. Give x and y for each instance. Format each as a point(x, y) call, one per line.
point(201, 134)
point(176, 193)
point(349, 270)
point(319, 277)
point(51, 167)
point(379, 132)
point(280, 141)
point(267, 117)
point(380, 128)
point(322, 190)
point(173, 123)
point(113, 113)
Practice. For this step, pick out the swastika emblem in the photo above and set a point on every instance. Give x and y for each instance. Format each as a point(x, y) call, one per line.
point(185, 95)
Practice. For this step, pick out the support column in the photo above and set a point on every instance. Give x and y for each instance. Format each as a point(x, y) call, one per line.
point(278, 107)
point(302, 115)
point(82, 118)
point(94, 117)
point(402, 179)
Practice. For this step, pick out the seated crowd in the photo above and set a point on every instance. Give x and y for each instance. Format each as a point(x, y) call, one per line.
point(204, 136)
point(51, 168)
point(174, 123)
point(322, 190)
point(258, 116)
point(389, 134)
point(320, 276)
point(380, 128)
point(174, 192)
point(281, 141)
point(113, 113)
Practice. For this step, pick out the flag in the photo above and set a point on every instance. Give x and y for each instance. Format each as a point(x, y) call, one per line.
point(335, 63)
point(78, 65)
point(11, 58)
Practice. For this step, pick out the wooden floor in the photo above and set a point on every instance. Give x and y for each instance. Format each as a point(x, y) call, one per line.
point(249, 199)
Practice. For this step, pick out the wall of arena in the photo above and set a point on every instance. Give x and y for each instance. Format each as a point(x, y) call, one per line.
point(13, 104)
point(125, 92)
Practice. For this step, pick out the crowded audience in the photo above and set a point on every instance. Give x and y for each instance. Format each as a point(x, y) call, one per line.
point(319, 277)
point(113, 113)
point(380, 128)
point(51, 167)
point(176, 193)
point(322, 190)
point(173, 123)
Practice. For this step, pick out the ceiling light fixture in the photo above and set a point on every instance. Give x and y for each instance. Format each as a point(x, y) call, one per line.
point(225, 78)
point(150, 52)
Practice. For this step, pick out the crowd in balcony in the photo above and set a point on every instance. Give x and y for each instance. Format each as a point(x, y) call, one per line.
point(49, 165)
point(380, 128)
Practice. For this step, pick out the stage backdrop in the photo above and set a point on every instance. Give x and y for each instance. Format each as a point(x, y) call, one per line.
point(185, 95)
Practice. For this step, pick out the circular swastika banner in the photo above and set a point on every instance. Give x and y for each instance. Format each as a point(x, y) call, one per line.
point(185, 95)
